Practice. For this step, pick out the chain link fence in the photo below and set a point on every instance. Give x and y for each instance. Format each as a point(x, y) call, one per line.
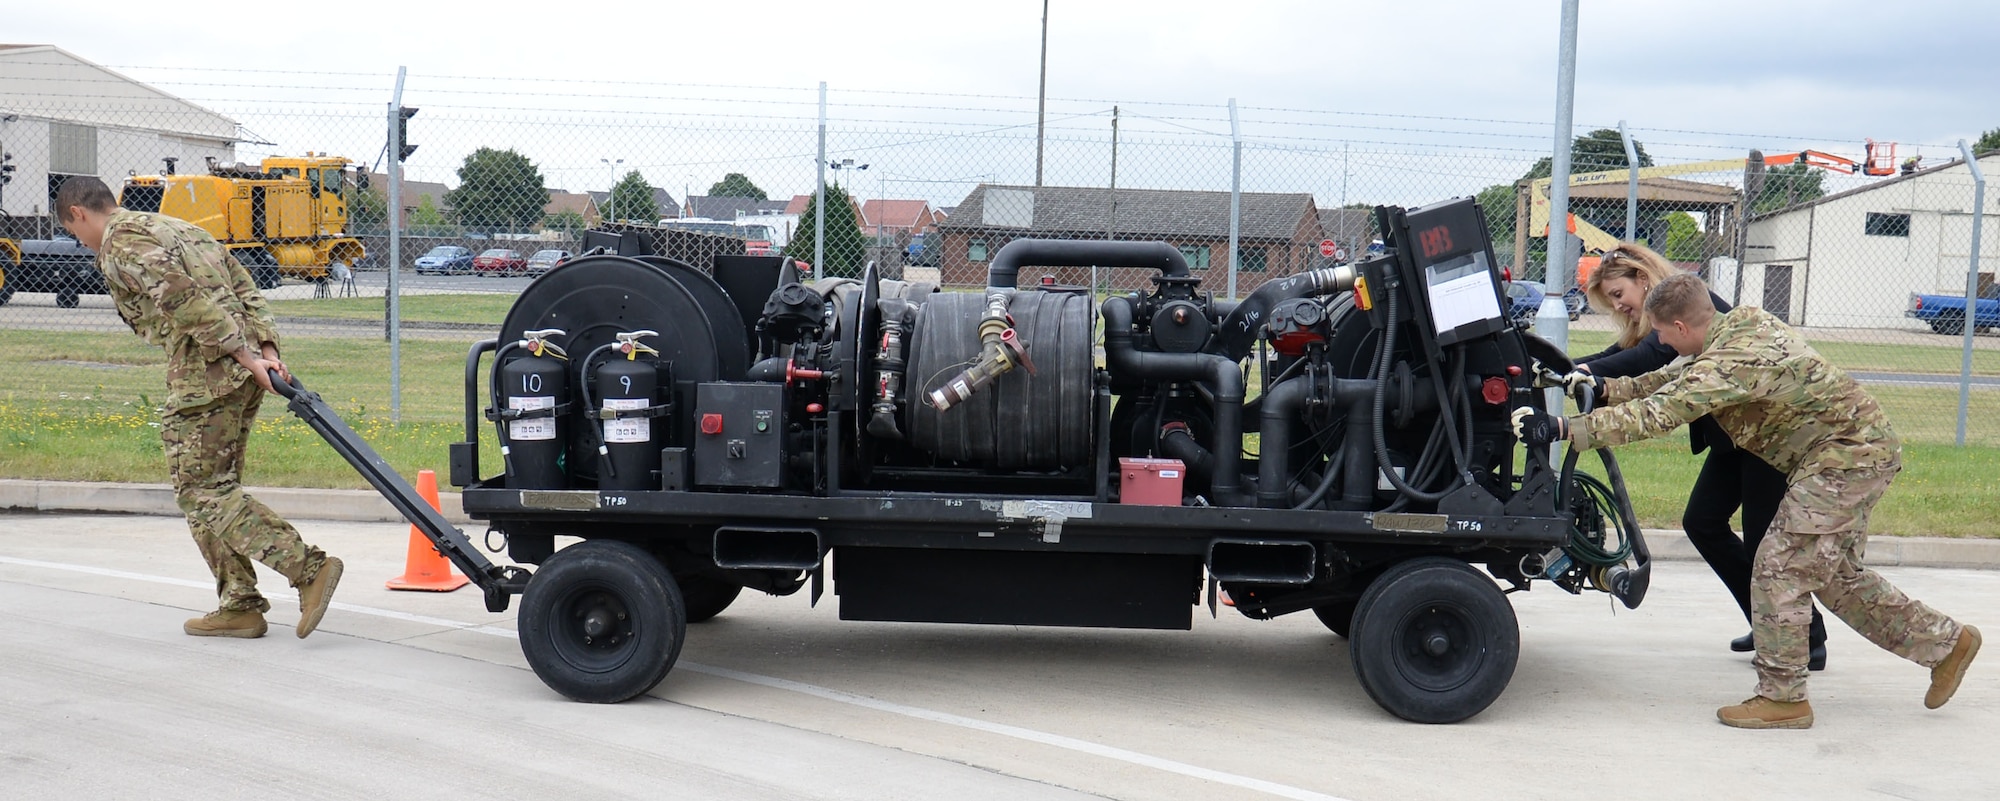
point(506, 175)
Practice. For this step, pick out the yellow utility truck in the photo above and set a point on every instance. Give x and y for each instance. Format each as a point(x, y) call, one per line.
point(284, 217)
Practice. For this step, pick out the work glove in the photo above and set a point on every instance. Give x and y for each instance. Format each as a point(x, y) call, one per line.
point(1581, 381)
point(1538, 428)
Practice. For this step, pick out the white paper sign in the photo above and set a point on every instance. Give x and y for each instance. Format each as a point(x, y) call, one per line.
point(627, 429)
point(539, 428)
point(1462, 291)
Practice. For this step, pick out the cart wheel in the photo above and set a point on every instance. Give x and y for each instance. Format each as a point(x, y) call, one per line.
point(1338, 617)
point(707, 597)
point(1434, 641)
point(602, 621)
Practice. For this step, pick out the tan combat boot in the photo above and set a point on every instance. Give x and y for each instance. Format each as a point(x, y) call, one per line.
point(317, 594)
point(1763, 713)
point(1946, 676)
point(247, 624)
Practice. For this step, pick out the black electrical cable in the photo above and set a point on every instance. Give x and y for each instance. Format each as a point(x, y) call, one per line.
point(1383, 465)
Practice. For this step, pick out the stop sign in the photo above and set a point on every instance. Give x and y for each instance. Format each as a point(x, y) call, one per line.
point(1327, 248)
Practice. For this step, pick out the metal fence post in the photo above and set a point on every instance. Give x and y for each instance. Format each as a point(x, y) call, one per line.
point(1632, 187)
point(1552, 321)
point(396, 249)
point(819, 194)
point(1235, 191)
point(1971, 286)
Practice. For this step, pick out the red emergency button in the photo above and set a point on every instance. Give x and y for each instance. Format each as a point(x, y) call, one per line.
point(711, 423)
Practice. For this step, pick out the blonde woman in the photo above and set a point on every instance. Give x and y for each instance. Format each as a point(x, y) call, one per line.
point(1730, 478)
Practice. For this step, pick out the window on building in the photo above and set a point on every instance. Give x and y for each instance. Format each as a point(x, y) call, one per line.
point(975, 250)
point(1196, 255)
point(1250, 260)
point(1887, 225)
point(72, 149)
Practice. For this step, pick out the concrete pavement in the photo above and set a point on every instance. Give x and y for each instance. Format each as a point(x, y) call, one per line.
point(101, 696)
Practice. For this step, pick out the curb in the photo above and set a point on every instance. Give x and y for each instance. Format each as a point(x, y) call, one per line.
point(365, 506)
point(291, 503)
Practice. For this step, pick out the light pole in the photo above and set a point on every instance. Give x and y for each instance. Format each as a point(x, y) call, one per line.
point(611, 195)
point(847, 164)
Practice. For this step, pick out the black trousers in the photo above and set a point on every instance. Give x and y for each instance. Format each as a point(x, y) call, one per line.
point(1729, 480)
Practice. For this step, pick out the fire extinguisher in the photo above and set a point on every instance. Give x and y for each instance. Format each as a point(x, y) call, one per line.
point(530, 398)
point(627, 449)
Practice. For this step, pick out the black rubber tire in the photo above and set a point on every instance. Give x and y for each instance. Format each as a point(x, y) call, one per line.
point(69, 298)
point(1338, 617)
point(707, 597)
point(1948, 324)
point(6, 293)
point(1434, 641)
point(602, 621)
point(266, 276)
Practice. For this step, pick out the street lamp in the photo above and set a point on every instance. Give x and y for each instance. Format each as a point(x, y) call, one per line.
point(846, 164)
point(611, 195)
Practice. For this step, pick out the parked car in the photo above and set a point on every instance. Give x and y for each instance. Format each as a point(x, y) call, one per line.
point(60, 266)
point(1945, 314)
point(922, 252)
point(499, 262)
point(1524, 301)
point(445, 260)
point(546, 260)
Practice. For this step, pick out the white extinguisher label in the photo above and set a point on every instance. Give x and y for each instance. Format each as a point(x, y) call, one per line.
point(542, 428)
point(627, 429)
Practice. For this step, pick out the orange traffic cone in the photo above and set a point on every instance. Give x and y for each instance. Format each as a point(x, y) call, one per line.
point(425, 568)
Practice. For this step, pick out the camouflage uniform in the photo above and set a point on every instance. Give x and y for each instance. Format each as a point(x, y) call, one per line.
point(1779, 399)
point(180, 289)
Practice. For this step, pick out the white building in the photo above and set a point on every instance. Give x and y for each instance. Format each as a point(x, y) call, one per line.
point(61, 115)
point(1851, 259)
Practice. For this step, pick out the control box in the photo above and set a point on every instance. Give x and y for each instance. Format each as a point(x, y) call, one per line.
point(1448, 261)
point(737, 436)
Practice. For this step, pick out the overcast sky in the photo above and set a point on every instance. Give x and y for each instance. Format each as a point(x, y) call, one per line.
point(1777, 74)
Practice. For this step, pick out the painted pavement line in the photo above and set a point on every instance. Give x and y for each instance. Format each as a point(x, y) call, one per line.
point(837, 696)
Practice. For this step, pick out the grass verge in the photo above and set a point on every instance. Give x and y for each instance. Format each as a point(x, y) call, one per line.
point(481, 308)
point(80, 406)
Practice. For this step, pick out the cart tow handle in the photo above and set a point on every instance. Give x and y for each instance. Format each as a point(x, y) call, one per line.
point(498, 582)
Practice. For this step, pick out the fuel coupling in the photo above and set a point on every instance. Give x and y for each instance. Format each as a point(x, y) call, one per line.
point(889, 367)
point(1000, 351)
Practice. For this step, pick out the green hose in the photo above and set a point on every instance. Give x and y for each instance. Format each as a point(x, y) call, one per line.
point(1588, 547)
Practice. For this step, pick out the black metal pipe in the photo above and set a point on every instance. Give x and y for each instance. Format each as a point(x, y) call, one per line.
point(1178, 443)
point(1279, 407)
point(1004, 271)
point(769, 370)
point(472, 423)
point(1245, 320)
point(1227, 382)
